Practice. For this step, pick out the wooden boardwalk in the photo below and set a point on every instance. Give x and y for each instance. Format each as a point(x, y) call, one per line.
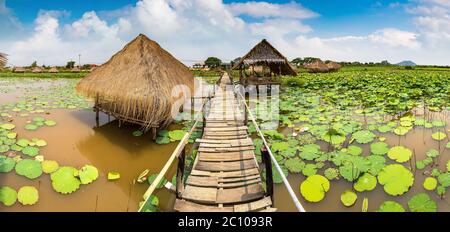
point(225, 176)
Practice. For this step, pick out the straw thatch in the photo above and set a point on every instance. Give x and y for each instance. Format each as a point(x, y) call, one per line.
point(75, 69)
point(3, 60)
point(37, 70)
point(265, 54)
point(333, 66)
point(19, 70)
point(317, 66)
point(136, 84)
point(53, 70)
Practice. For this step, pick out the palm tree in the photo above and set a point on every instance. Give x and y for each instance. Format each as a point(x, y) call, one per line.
point(3, 59)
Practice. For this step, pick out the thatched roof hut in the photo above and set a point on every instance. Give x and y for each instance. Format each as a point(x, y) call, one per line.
point(75, 69)
point(136, 84)
point(19, 70)
point(333, 66)
point(37, 70)
point(53, 70)
point(3, 60)
point(317, 66)
point(265, 54)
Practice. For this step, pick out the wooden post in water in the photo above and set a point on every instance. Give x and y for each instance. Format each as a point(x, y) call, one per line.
point(269, 174)
point(180, 173)
point(96, 112)
point(154, 133)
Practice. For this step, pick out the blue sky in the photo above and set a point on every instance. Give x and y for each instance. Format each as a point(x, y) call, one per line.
point(342, 30)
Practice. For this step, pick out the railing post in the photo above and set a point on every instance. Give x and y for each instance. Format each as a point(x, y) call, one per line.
point(180, 173)
point(269, 174)
point(245, 110)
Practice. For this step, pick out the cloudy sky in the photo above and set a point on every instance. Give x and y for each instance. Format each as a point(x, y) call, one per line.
point(55, 31)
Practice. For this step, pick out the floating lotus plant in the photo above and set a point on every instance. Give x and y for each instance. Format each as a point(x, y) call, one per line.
point(396, 179)
point(29, 168)
point(64, 180)
point(430, 183)
point(439, 136)
point(313, 189)
point(379, 148)
point(391, 206)
point(49, 166)
point(422, 203)
point(366, 182)
point(364, 136)
point(400, 154)
point(88, 174)
point(8, 196)
point(348, 198)
point(28, 195)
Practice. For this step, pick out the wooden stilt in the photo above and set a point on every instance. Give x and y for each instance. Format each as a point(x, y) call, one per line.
point(154, 133)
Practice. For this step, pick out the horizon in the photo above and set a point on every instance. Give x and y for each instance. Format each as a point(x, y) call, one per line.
point(54, 32)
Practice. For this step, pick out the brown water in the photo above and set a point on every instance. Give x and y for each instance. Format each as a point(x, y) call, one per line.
point(76, 141)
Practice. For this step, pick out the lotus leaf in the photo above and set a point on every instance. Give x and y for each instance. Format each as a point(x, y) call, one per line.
point(438, 123)
point(363, 136)
point(354, 150)
point(331, 173)
point(366, 182)
point(310, 151)
point(432, 153)
point(391, 206)
point(29, 168)
point(289, 153)
point(294, 165)
point(23, 142)
point(176, 135)
point(28, 195)
point(41, 143)
point(11, 135)
point(64, 180)
point(384, 129)
point(4, 148)
point(333, 137)
point(8, 196)
point(440, 190)
point(401, 130)
point(376, 164)
point(396, 179)
point(113, 175)
point(430, 183)
point(8, 126)
point(277, 179)
point(49, 166)
point(162, 140)
point(137, 133)
point(348, 198)
point(50, 123)
point(163, 133)
point(400, 154)
point(309, 170)
point(439, 136)
point(313, 189)
point(379, 148)
point(161, 184)
point(365, 205)
point(38, 119)
point(30, 151)
point(6, 164)
point(31, 127)
point(273, 134)
point(88, 174)
point(422, 202)
point(279, 146)
point(444, 179)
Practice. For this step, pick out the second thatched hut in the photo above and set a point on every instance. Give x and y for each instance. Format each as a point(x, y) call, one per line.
point(333, 66)
point(53, 70)
point(317, 66)
point(136, 84)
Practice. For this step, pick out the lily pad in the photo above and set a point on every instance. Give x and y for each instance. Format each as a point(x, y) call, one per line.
point(294, 165)
point(6, 164)
point(279, 146)
point(162, 140)
point(430, 183)
point(379, 148)
point(31, 127)
point(113, 175)
point(366, 182)
point(30, 151)
point(64, 180)
point(8, 126)
point(176, 135)
point(88, 174)
point(28, 195)
point(137, 133)
point(331, 173)
point(422, 202)
point(364, 136)
point(309, 170)
point(41, 143)
point(401, 130)
point(309, 151)
point(400, 154)
point(391, 206)
point(396, 179)
point(152, 178)
point(313, 189)
point(354, 150)
point(439, 136)
point(29, 168)
point(49, 166)
point(348, 198)
point(8, 196)
point(49, 123)
point(432, 153)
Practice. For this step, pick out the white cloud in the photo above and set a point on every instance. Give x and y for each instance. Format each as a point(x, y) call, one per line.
point(266, 10)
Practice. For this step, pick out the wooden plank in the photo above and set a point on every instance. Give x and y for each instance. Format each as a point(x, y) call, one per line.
point(240, 183)
point(200, 194)
point(253, 206)
point(225, 166)
point(186, 206)
point(226, 137)
point(240, 195)
point(227, 129)
point(225, 141)
point(205, 181)
point(226, 156)
point(240, 178)
point(226, 149)
point(240, 173)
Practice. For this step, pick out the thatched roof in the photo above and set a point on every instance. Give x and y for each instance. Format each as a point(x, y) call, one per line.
point(333, 66)
point(19, 70)
point(3, 59)
point(265, 53)
point(317, 67)
point(137, 83)
point(75, 69)
point(37, 70)
point(53, 70)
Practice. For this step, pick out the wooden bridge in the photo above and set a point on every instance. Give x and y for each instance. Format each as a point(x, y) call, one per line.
point(225, 176)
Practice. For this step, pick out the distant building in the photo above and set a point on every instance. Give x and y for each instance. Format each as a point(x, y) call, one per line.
point(19, 70)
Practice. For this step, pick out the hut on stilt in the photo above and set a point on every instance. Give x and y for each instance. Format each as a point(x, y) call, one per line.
point(263, 65)
point(317, 66)
point(136, 85)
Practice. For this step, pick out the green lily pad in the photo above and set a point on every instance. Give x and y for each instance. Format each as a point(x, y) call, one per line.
point(366, 182)
point(294, 165)
point(279, 146)
point(28, 195)
point(430, 183)
point(11, 135)
point(401, 130)
point(348, 198)
point(29, 168)
point(88, 174)
point(6, 164)
point(439, 136)
point(31, 127)
point(379, 148)
point(313, 189)
point(444, 179)
point(354, 150)
point(176, 135)
point(162, 140)
point(137, 133)
point(49, 123)
point(331, 173)
point(30, 151)
point(38, 119)
point(152, 178)
point(364, 136)
point(8, 196)
point(396, 179)
point(8, 126)
point(41, 143)
point(391, 206)
point(309, 151)
point(23, 142)
point(49, 166)
point(113, 175)
point(309, 170)
point(64, 180)
point(422, 202)
point(400, 154)
point(432, 153)
point(376, 164)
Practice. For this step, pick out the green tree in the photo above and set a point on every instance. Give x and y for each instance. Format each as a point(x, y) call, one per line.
point(213, 62)
point(34, 64)
point(297, 61)
point(70, 64)
point(308, 60)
